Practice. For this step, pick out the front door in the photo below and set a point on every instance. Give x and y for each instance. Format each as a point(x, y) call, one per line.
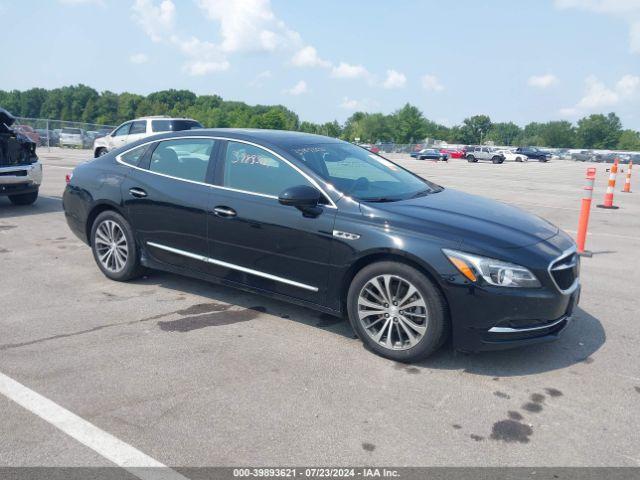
point(254, 240)
point(167, 197)
point(119, 136)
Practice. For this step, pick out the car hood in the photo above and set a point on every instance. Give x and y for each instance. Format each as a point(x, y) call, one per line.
point(467, 218)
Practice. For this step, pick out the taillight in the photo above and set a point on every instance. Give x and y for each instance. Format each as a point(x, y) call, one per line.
point(68, 177)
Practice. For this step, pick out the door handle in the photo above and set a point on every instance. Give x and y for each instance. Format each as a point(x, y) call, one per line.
point(137, 192)
point(225, 212)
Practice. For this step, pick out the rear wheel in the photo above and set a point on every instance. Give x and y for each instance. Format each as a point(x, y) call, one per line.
point(114, 247)
point(496, 160)
point(397, 312)
point(518, 159)
point(24, 198)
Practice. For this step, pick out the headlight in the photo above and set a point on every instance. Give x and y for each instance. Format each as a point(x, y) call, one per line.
point(494, 272)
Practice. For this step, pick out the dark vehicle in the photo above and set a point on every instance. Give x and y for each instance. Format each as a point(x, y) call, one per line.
point(534, 153)
point(326, 224)
point(20, 170)
point(583, 156)
point(430, 154)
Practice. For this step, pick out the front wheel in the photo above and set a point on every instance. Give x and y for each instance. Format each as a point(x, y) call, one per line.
point(471, 159)
point(496, 160)
point(24, 198)
point(397, 312)
point(114, 247)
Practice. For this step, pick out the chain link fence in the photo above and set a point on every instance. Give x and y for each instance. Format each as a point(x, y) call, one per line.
point(59, 133)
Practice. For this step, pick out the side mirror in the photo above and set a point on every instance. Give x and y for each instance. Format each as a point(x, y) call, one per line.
point(303, 197)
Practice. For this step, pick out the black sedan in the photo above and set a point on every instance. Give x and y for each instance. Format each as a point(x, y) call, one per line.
point(325, 224)
point(430, 154)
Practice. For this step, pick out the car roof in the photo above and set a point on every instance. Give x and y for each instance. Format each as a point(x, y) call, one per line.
point(274, 138)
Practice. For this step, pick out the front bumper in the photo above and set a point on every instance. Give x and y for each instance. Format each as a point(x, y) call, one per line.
point(495, 321)
point(19, 179)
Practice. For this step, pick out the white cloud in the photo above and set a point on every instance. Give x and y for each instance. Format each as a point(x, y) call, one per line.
point(361, 105)
point(138, 58)
point(249, 26)
point(542, 81)
point(259, 79)
point(156, 21)
point(298, 89)
point(597, 95)
point(394, 80)
point(431, 83)
point(626, 10)
point(202, 57)
point(628, 85)
point(345, 70)
point(308, 57)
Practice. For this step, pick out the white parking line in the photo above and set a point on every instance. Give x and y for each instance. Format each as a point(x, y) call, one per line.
point(101, 442)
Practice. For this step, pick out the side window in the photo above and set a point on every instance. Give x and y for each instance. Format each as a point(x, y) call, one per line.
point(186, 158)
point(122, 130)
point(132, 157)
point(255, 170)
point(138, 127)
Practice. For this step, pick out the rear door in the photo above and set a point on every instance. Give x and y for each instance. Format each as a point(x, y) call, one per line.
point(167, 196)
point(256, 241)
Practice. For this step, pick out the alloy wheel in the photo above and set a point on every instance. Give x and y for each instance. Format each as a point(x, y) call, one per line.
point(393, 312)
point(111, 246)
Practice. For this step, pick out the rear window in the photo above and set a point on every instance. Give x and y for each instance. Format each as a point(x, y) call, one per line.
point(72, 131)
point(173, 125)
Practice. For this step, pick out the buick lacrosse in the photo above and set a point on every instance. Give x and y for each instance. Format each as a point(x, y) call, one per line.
point(331, 226)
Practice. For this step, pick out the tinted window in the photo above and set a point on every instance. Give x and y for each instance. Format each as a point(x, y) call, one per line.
point(138, 127)
point(253, 169)
point(72, 131)
point(132, 157)
point(173, 125)
point(186, 158)
point(361, 174)
point(122, 130)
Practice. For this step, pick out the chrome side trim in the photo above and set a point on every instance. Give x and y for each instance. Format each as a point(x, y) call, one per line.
point(280, 157)
point(530, 329)
point(233, 266)
point(346, 235)
point(575, 283)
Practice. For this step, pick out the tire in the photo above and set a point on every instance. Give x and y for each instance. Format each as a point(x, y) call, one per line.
point(471, 159)
point(519, 159)
point(543, 160)
point(401, 347)
point(496, 160)
point(24, 198)
point(113, 265)
point(102, 152)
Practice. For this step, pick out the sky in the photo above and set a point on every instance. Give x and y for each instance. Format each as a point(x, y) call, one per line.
point(521, 61)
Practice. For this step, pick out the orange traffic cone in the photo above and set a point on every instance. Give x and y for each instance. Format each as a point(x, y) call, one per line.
point(608, 196)
point(627, 179)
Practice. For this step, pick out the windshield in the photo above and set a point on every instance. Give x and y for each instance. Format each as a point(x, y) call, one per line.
point(361, 174)
point(71, 131)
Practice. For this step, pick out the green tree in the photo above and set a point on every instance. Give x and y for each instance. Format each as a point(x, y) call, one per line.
point(629, 140)
point(409, 126)
point(474, 129)
point(599, 131)
point(504, 133)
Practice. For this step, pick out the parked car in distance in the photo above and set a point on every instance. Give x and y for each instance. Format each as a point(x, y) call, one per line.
point(534, 153)
point(430, 154)
point(72, 137)
point(583, 156)
point(341, 230)
point(20, 169)
point(512, 156)
point(139, 128)
point(453, 152)
point(29, 132)
point(44, 137)
point(484, 153)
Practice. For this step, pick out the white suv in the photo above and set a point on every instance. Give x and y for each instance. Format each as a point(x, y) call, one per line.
point(139, 128)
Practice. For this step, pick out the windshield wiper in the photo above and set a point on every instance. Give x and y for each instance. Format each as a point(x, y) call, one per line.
point(422, 193)
point(380, 199)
